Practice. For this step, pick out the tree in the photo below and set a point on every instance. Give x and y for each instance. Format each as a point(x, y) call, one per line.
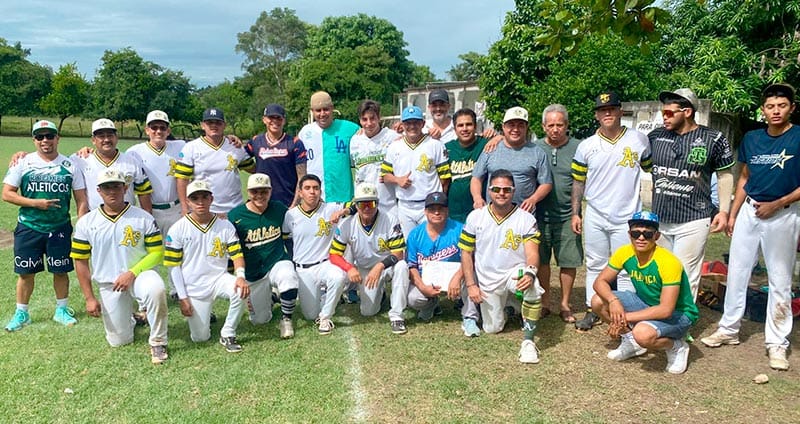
point(230, 99)
point(22, 83)
point(469, 69)
point(69, 94)
point(422, 74)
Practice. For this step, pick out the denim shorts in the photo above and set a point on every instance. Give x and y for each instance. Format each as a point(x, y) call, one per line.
point(674, 327)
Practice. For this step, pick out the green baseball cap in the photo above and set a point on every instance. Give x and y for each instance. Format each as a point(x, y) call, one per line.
point(44, 125)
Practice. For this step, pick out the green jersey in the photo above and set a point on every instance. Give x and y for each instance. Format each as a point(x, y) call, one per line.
point(37, 178)
point(462, 162)
point(260, 237)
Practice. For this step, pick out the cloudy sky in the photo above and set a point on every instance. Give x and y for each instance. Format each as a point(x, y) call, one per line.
point(199, 36)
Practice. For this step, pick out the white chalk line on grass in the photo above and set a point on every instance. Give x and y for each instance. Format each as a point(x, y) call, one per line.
point(359, 413)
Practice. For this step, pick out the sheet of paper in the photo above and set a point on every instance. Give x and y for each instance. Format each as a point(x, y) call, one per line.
point(439, 273)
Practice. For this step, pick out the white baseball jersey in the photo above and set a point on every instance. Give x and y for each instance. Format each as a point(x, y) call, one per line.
point(426, 161)
point(219, 165)
point(369, 247)
point(115, 244)
point(159, 166)
point(612, 170)
point(129, 165)
point(448, 134)
point(202, 252)
point(311, 232)
point(367, 155)
point(497, 243)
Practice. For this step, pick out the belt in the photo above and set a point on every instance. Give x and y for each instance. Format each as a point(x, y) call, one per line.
point(754, 203)
point(411, 201)
point(165, 205)
point(305, 266)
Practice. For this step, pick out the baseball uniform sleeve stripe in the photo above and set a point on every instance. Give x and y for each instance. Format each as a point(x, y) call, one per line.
point(184, 171)
point(396, 244)
point(531, 237)
point(173, 257)
point(386, 168)
point(234, 250)
point(143, 188)
point(80, 249)
point(337, 247)
point(247, 163)
point(579, 171)
point(444, 170)
point(153, 240)
point(647, 164)
point(466, 241)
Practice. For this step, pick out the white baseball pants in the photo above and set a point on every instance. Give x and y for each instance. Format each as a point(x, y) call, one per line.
point(117, 309)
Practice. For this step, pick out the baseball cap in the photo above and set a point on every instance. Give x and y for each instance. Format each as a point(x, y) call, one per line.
point(321, 99)
point(197, 186)
point(645, 218)
point(258, 181)
point(607, 98)
point(411, 112)
point(438, 95)
point(156, 115)
point(516, 112)
point(273, 109)
point(436, 198)
point(213, 114)
point(778, 90)
point(103, 124)
point(365, 192)
point(42, 125)
point(110, 175)
point(679, 94)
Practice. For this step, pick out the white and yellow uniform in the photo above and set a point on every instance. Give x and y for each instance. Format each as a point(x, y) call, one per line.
point(311, 234)
point(128, 165)
point(219, 165)
point(367, 154)
point(159, 166)
point(498, 247)
point(113, 246)
point(198, 256)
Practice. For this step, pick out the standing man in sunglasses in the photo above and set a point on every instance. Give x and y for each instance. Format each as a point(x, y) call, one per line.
point(685, 156)
point(661, 310)
point(41, 185)
point(607, 170)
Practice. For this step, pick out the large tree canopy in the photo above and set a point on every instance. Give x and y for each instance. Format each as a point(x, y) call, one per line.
point(69, 95)
point(22, 83)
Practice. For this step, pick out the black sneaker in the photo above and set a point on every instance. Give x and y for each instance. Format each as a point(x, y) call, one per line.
point(399, 327)
point(230, 343)
point(213, 318)
point(587, 322)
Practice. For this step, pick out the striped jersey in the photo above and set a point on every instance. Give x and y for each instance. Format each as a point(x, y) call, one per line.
point(369, 245)
point(612, 170)
point(367, 155)
point(159, 166)
point(497, 243)
point(311, 232)
point(219, 165)
point(427, 162)
point(682, 169)
point(201, 252)
point(115, 244)
point(130, 166)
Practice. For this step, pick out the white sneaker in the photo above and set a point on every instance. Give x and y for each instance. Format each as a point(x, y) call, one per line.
point(325, 326)
point(287, 330)
point(719, 338)
point(777, 358)
point(628, 348)
point(528, 353)
point(678, 357)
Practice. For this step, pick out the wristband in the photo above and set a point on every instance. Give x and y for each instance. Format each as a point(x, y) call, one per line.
point(239, 272)
point(389, 261)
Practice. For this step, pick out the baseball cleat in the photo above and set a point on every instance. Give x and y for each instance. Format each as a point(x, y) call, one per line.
point(230, 343)
point(325, 326)
point(287, 331)
point(158, 354)
point(399, 327)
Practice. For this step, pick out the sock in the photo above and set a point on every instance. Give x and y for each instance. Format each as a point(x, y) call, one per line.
point(61, 303)
point(528, 329)
point(23, 306)
point(530, 314)
point(288, 301)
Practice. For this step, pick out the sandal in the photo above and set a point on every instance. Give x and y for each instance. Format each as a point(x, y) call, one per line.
point(567, 316)
point(545, 312)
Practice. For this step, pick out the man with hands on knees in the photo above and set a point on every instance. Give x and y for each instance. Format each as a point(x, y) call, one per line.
point(198, 247)
point(661, 310)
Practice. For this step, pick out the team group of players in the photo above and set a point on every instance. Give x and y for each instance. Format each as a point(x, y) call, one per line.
point(309, 232)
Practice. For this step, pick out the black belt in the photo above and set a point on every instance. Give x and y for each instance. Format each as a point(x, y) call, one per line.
point(162, 206)
point(305, 266)
point(754, 203)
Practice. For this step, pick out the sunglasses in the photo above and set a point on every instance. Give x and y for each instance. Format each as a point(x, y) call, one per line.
point(40, 137)
point(158, 127)
point(669, 113)
point(648, 235)
point(369, 204)
point(499, 189)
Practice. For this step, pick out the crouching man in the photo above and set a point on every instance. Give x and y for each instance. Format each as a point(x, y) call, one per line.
point(658, 315)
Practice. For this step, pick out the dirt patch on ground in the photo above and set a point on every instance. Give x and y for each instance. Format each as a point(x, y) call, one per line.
point(6, 239)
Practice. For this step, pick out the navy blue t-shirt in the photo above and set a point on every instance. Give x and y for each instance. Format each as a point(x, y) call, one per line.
point(279, 161)
point(774, 163)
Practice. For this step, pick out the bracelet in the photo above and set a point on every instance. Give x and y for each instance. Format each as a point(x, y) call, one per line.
point(616, 299)
point(239, 272)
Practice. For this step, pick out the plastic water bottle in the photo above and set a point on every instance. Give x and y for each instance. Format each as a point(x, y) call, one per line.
point(519, 293)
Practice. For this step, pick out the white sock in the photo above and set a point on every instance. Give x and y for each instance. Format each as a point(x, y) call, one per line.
point(61, 303)
point(23, 306)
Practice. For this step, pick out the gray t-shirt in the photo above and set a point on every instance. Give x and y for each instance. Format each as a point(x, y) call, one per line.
point(528, 164)
point(557, 206)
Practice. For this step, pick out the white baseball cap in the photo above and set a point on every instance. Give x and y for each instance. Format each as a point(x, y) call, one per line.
point(365, 192)
point(103, 124)
point(516, 112)
point(156, 115)
point(258, 181)
point(111, 175)
point(196, 186)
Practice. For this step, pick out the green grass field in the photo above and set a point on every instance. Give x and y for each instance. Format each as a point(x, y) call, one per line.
point(363, 373)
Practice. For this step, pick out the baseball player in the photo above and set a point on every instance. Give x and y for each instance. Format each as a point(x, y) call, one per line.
point(499, 257)
point(197, 251)
point(607, 171)
point(765, 214)
point(463, 154)
point(309, 226)
point(685, 156)
point(213, 158)
point(415, 167)
point(258, 226)
point(124, 245)
point(378, 247)
point(41, 184)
